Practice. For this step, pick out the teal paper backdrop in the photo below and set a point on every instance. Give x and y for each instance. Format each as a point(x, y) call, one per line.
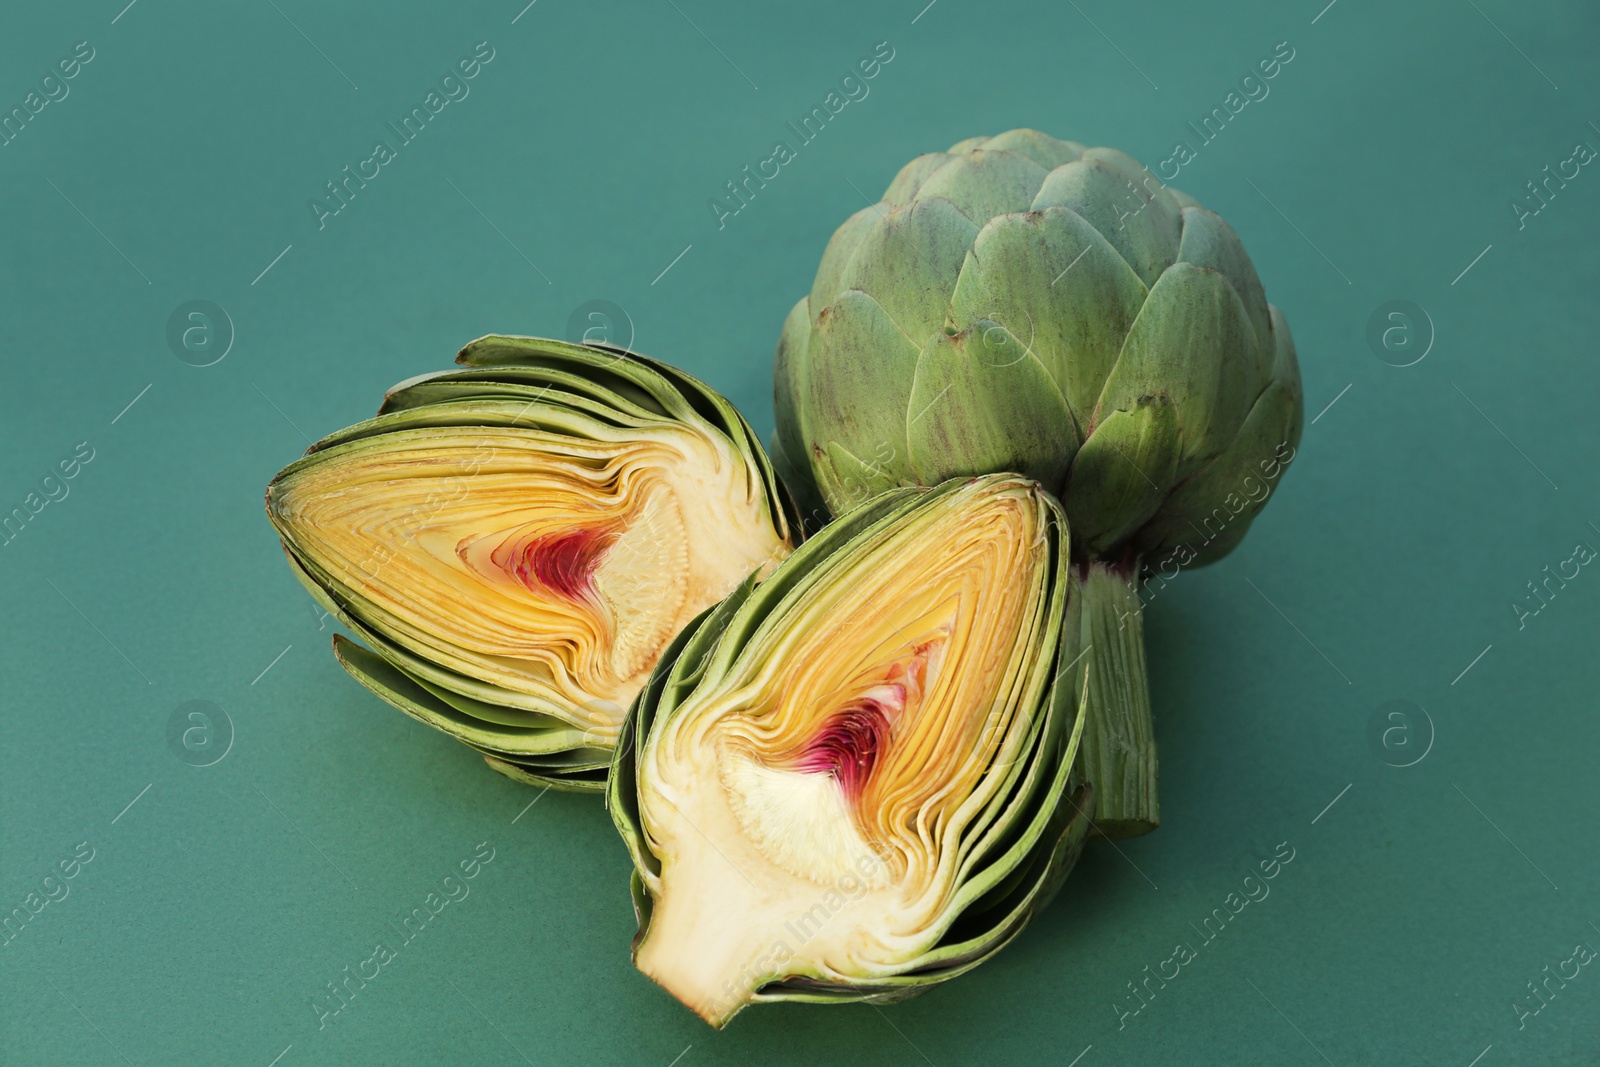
point(1392, 682)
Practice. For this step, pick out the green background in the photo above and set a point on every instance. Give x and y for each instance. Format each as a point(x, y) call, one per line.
point(1416, 908)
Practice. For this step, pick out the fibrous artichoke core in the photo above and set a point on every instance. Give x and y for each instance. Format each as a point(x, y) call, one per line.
point(543, 564)
point(818, 808)
point(807, 806)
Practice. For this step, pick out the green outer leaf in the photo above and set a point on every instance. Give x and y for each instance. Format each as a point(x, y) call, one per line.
point(842, 248)
point(586, 764)
point(982, 402)
point(603, 392)
point(903, 189)
point(969, 144)
point(1286, 370)
point(563, 768)
point(1231, 489)
point(1181, 198)
point(845, 479)
point(908, 259)
point(1210, 242)
point(1191, 341)
point(445, 420)
point(1142, 227)
point(1206, 516)
point(1060, 288)
point(1043, 149)
point(1157, 195)
point(1215, 548)
point(790, 368)
point(633, 377)
point(985, 183)
point(809, 512)
point(422, 400)
point(1123, 473)
point(859, 372)
point(586, 781)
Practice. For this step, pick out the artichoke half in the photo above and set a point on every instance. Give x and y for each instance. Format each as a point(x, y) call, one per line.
point(1025, 304)
point(854, 779)
point(516, 543)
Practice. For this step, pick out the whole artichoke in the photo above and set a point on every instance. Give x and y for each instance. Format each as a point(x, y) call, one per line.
point(855, 779)
point(517, 542)
point(1025, 304)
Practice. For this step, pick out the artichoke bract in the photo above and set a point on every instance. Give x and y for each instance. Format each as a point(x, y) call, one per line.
point(1025, 304)
point(855, 779)
point(517, 542)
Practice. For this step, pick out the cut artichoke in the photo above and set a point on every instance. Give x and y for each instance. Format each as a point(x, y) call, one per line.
point(853, 780)
point(1020, 303)
point(518, 542)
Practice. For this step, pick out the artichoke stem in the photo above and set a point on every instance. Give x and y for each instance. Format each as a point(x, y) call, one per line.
point(1118, 751)
point(710, 943)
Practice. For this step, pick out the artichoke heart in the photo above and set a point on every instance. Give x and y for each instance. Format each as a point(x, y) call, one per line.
point(518, 543)
point(854, 780)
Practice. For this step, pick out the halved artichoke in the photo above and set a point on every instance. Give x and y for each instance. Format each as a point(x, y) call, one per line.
point(518, 542)
point(854, 780)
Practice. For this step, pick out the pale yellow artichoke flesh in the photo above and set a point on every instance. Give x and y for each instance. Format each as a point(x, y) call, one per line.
point(551, 566)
